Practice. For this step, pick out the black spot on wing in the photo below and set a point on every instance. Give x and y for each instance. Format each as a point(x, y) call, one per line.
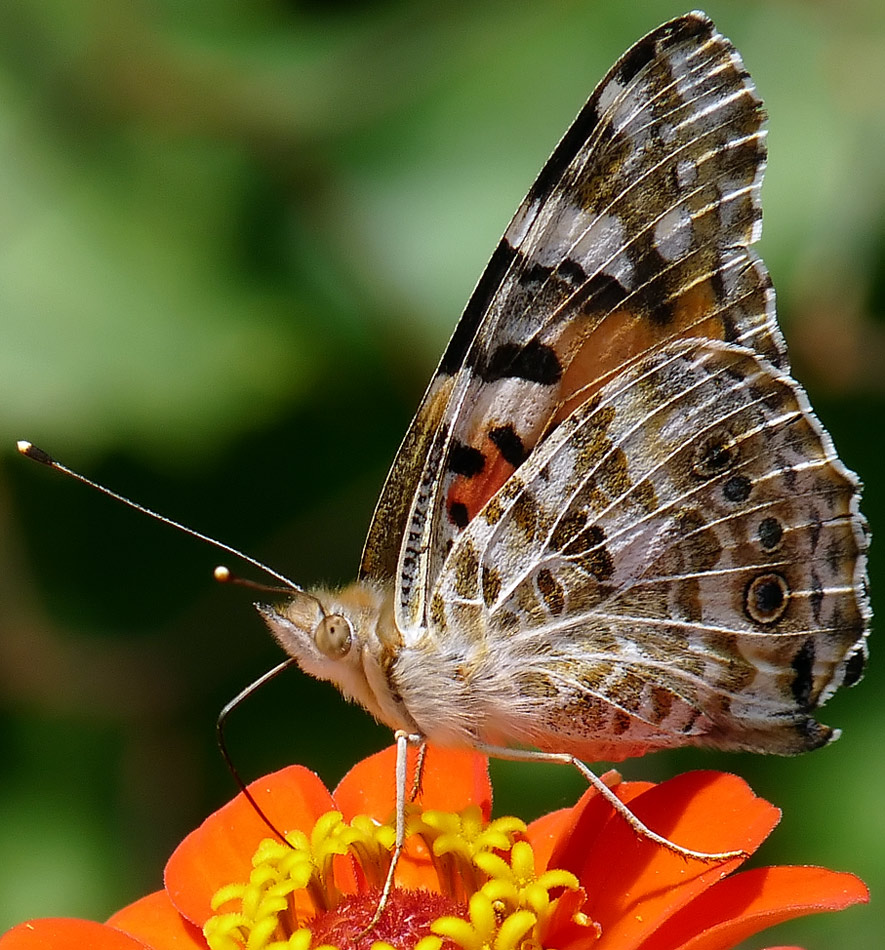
point(465, 331)
point(465, 460)
point(535, 273)
point(803, 664)
point(770, 533)
point(458, 514)
point(602, 293)
point(510, 444)
point(729, 327)
point(533, 361)
point(572, 272)
point(854, 666)
point(737, 488)
point(767, 598)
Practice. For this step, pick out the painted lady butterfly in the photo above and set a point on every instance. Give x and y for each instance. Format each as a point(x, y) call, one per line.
point(615, 524)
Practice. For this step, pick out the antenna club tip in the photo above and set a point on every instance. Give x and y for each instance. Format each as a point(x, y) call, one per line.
point(222, 574)
point(29, 450)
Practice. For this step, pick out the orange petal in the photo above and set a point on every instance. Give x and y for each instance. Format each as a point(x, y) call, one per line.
point(741, 906)
point(157, 923)
point(586, 820)
point(220, 851)
point(635, 884)
point(67, 933)
point(452, 779)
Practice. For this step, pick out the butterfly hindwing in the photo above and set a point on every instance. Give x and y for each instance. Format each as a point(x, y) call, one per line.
point(678, 562)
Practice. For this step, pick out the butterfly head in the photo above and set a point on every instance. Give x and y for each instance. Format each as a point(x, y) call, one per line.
point(346, 637)
point(320, 637)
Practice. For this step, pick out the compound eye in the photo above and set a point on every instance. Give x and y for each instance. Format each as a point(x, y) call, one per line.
point(333, 636)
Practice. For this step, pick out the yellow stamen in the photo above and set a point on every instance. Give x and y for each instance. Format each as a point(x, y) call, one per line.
point(482, 864)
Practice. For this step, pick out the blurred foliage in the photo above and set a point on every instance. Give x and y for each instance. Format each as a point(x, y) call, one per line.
point(235, 235)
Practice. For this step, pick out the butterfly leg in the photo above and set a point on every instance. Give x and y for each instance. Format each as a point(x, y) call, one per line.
point(419, 768)
point(641, 829)
point(403, 741)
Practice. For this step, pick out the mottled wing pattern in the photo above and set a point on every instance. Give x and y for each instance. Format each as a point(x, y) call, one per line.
point(636, 233)
point(681, 561)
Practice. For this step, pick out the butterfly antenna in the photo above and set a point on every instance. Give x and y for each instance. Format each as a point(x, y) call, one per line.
point(253, 687)
point(31, 451)
point(224, 575)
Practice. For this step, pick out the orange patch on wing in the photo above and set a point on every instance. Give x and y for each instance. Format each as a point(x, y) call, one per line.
point(622, 337)
point(475, 491)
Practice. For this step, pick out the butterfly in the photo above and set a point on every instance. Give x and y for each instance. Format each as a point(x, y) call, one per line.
point(615, 524)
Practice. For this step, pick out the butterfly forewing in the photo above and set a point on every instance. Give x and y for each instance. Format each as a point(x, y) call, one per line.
point(635, 233)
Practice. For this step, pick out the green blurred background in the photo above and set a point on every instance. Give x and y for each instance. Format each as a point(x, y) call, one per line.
point(235, 237)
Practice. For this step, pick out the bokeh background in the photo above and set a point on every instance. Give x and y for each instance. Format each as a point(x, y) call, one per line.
point(235, 236)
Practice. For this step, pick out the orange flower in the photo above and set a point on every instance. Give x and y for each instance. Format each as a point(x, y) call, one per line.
point(576, 879)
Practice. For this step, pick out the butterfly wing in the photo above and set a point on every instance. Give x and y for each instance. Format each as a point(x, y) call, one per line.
point(636, 233)
point(681, 561)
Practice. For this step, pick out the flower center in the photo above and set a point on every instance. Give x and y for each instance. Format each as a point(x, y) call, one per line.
point(404, 925)
point(323, 890)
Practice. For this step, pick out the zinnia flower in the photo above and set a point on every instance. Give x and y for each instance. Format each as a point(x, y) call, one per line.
point(574, 879)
